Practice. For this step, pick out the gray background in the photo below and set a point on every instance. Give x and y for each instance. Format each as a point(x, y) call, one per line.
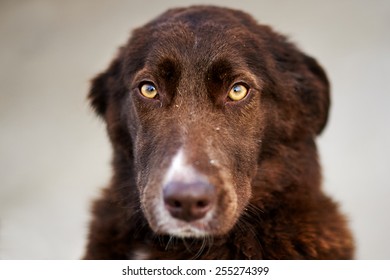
point(54, 154)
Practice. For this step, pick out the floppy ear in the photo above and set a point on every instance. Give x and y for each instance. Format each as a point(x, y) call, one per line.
point(105, 95)
point(301, 92)
point(314, 93)
point(105, 85)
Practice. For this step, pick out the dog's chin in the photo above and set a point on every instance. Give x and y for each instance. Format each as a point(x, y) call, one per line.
point(187, 231)
point(195, 229)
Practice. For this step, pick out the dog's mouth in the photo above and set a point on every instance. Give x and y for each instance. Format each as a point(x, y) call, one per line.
point(177, 228)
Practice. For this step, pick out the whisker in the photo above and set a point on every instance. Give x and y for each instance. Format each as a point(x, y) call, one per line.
point(170, 241)
point(250, 216)
point(188, 248)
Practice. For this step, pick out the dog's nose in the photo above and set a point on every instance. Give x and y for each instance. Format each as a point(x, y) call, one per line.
point(188, 201)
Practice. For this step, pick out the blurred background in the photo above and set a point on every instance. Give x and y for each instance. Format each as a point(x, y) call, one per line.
point(54, 153)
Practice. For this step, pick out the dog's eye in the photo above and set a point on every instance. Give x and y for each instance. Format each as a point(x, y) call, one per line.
point(238, 92)
point(149, 90)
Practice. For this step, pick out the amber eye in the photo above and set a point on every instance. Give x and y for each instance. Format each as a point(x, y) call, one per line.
point(149, 90)
point(238, 92)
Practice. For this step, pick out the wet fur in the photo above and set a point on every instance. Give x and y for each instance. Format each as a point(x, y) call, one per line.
point(259, 153)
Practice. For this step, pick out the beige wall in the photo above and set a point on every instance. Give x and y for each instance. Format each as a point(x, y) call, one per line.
point(54, 155)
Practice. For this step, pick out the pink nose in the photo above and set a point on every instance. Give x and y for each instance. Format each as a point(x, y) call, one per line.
point(188, 201)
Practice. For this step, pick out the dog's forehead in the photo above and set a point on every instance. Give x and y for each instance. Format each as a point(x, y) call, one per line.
point(198, 35)
point(199, 46)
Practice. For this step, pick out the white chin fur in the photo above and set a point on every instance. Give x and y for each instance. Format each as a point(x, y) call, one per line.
point(184, 231)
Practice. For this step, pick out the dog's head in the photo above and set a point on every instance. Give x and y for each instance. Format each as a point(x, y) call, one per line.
point(193, 100)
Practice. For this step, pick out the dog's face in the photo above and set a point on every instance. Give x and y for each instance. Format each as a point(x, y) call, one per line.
point(193, 100)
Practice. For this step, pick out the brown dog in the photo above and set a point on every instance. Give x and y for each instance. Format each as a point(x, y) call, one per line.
point(212, 119)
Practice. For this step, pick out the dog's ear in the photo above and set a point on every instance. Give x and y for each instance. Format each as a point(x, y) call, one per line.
point(301, 90)
point(314, 93)
point(105, 85)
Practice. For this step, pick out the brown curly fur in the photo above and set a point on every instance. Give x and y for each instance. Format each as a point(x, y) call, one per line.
point(264, 143)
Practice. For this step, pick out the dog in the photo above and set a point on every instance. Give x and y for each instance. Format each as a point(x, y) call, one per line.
point(212, 119)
